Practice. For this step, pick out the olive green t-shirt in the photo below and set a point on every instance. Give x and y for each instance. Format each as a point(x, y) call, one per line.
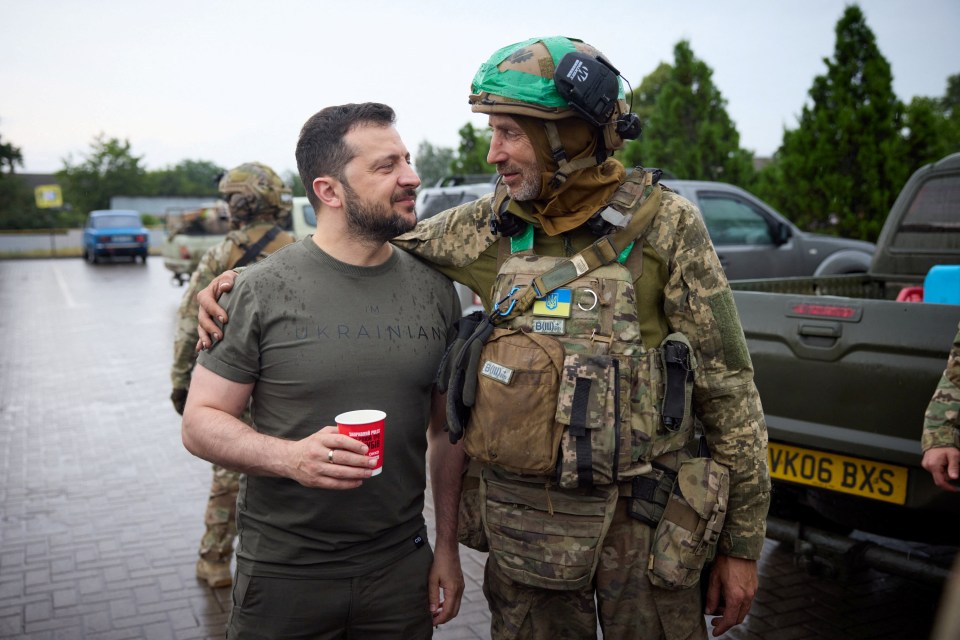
point(319, 337)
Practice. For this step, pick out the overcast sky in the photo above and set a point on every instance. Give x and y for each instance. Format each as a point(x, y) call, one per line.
point(232, 82)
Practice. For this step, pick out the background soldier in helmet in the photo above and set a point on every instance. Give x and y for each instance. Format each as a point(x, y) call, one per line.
point(612, 335)
point(259, 205)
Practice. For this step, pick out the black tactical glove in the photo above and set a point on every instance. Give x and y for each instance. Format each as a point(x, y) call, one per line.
point(179, 399)
point(465, 328)
point(462, 386)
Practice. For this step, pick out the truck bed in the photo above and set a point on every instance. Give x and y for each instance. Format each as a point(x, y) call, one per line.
point(845, 373)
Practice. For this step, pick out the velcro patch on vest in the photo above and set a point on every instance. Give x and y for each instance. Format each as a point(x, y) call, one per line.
point(497, 372)
point(556, 304)
point(548, 326)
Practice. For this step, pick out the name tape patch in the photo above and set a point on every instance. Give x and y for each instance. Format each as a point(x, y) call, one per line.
point(497, 372)
point(550, 327)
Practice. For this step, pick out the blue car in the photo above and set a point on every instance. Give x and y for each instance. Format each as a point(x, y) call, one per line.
point(115, 232)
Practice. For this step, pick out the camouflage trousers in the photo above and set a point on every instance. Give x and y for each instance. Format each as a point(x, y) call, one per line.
point(621, 598)
point(221, 516)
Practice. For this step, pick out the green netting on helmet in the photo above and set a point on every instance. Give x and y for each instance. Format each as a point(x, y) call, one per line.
point(522, 85)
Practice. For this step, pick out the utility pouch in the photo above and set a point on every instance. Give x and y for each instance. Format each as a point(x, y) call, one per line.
point(693, 517)
point(675, 372)
point(589, 406)
point(513, 422)
point(543, 537)
point(649, 495)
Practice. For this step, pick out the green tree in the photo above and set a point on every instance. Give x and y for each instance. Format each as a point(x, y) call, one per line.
point(292, 180)
point(472, 152)
point(926, 132)
point(433, 163)
point(689, 132)
point(186, 178)
point(109, 169)
point(10, 156)
point(950, 107)
point(932, 126)
point(845, 159)
point(642, 101)
point(17, 209)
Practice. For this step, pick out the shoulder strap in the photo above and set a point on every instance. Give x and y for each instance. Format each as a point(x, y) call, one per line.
point(254, 250)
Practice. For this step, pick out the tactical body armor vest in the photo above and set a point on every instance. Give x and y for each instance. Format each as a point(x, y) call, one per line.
point(566, 389)
point(568, 396)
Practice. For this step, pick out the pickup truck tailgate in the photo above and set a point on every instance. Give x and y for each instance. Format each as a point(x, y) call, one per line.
point(847, 374)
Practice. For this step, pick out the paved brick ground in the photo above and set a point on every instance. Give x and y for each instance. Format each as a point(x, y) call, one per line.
point(100, 505)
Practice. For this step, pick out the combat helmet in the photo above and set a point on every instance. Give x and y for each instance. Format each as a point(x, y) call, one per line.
point(553, 78)
point(255, 190)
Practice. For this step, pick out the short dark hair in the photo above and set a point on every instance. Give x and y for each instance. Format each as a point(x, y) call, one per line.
point(321, 150)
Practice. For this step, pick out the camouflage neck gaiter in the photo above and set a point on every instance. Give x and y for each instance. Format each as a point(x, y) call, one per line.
point(585, 191)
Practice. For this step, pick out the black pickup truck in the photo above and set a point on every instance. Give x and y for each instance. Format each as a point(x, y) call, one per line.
point(846, 365)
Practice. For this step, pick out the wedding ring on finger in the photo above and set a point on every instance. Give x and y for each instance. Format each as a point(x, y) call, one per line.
point(330, 456)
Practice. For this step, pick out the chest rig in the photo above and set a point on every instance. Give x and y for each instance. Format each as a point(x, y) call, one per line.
point(565, 389)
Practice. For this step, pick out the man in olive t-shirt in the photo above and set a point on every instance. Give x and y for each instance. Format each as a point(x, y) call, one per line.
point(339, 321)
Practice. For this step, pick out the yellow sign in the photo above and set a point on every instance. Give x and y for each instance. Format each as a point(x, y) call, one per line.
point(865, 478)
point(48, 196)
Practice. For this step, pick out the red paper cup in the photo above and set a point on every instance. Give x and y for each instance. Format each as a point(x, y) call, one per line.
point(365, 425)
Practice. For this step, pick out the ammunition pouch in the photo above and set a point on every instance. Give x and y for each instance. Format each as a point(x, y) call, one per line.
point(591, 409)
point(688, 508)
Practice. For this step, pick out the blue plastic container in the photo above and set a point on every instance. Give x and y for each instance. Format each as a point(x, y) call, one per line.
point(942, 284)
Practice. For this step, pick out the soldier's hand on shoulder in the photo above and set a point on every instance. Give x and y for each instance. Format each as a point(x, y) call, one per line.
point(209, 312)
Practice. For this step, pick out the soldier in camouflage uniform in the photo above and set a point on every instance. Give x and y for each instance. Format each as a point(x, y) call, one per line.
point(941, 425)
point(259, 201)
point(562, 559)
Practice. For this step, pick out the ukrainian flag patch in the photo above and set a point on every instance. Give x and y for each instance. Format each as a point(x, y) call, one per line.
point(555, 305)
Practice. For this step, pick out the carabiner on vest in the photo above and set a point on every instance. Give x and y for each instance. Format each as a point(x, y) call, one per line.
point(509, 309)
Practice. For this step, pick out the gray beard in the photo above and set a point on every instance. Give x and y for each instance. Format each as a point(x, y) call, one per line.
point(526, 191)
point(373, 224)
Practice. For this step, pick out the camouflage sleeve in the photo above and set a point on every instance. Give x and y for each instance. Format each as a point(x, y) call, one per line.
point(459, 244)
point(699, 303)
point(213, 262)
point(941, 426)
